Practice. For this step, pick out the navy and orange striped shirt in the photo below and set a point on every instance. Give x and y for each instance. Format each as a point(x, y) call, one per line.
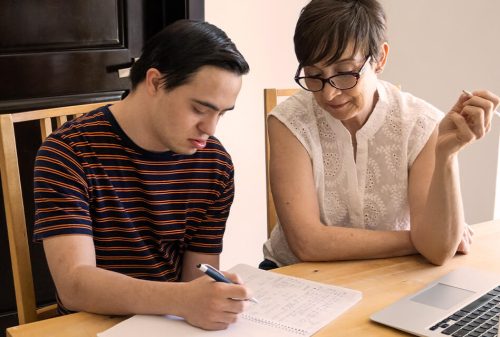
point(142, 209)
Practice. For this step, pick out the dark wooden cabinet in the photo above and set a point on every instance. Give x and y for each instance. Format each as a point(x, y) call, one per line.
point(56, 53)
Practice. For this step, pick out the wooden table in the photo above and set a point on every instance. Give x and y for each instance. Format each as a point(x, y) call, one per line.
point(382, 281)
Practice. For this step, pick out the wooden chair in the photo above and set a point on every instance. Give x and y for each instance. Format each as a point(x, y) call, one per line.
point(14, 206)
point(271, 97)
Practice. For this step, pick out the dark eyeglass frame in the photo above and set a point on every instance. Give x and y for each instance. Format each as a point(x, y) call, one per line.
point(329, 80)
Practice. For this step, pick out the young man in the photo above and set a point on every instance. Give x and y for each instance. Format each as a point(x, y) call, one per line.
point(131, 197)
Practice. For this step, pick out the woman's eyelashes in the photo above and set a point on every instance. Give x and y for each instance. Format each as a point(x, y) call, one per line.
point(322, 74)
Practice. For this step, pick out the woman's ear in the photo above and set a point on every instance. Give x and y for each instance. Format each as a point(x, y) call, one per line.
point(153, 81)
point(382, 58)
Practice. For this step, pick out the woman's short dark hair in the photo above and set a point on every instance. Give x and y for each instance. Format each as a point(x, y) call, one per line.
point(326, 28)
point(182, 48)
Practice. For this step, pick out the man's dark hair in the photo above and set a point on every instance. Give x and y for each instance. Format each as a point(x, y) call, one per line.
point(182, 48)
point(326, 27)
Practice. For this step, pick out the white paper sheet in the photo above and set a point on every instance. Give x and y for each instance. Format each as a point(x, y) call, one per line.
point(288, 307)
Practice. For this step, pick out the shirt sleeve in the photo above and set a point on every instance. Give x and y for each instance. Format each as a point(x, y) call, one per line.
point(207, 236)
point(297, 115)
point(421, 132)
point(421, 119)
point(60, 191)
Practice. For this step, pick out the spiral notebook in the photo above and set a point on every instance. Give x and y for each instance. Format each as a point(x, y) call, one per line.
point(288, 307)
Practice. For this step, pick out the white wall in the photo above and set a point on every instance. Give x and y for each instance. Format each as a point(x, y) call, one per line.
point(438, 48)
point(263, 32)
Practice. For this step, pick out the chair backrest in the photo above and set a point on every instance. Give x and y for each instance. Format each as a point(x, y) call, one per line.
point(271, 97)
point(14, 206)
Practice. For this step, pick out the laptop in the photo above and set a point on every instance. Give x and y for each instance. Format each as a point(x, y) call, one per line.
point(464, 302)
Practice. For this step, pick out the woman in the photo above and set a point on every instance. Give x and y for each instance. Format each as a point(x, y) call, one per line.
point(360, 169)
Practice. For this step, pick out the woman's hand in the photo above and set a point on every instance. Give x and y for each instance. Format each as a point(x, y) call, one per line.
point(468, 120)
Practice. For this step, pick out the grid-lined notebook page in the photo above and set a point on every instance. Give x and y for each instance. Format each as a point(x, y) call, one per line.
point(292, 304)
point(288, 307)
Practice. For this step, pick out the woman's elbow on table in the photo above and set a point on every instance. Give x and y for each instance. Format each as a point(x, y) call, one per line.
point(306, 245)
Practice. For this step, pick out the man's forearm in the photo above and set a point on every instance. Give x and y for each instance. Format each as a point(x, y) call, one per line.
point(101, 291)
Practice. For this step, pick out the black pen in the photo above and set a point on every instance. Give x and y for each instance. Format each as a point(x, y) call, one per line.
point(217, 276)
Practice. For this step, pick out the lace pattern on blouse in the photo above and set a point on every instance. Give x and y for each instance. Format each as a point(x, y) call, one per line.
point(371, 191)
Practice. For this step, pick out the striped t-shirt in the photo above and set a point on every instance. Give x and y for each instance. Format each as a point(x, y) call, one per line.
point(142, 209)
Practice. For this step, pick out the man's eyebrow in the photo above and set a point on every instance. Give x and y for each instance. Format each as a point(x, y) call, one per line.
point(211, 106)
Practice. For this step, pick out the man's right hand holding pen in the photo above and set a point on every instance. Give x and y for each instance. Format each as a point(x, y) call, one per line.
point(213, 305)
point(219, 277)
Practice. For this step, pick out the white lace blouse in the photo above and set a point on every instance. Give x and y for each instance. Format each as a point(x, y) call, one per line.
point(370, 192)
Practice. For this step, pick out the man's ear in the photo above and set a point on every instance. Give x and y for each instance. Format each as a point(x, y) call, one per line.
point(382, 58)
point(153, 81)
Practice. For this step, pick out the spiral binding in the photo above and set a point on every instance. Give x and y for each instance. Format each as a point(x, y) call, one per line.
point(270, 323)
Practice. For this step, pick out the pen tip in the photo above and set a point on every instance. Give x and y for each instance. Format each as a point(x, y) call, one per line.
point(198, 265)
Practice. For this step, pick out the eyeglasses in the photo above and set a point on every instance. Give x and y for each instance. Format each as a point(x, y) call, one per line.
point(341, 81)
